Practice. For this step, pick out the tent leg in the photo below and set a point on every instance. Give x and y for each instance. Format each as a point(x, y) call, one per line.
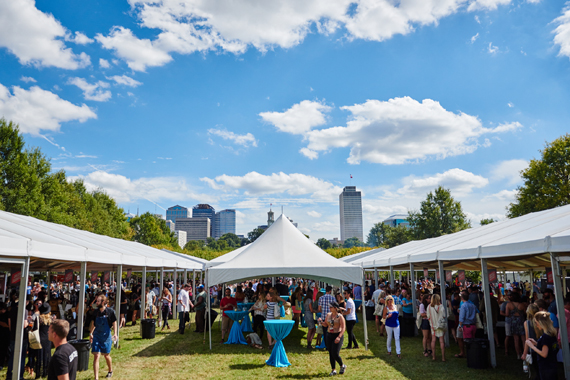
point(413, 286)
point(375, 280)
point(174, 296)
point(561, 314)
point(81, 305)
point(392, 277)
point(143, 294)
point(118, 299)
point(488, 314)
point(47, 286)
point(160, 296)
point(17, 370)
point(443, 297)
point(194, 284)
point(209, 308)
point(364, 324)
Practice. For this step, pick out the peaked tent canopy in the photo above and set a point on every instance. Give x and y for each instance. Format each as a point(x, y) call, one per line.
point(283, 250)
point(360, 256)
point(225, 258)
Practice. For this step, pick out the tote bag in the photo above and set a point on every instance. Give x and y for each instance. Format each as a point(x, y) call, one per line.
point(34, 338)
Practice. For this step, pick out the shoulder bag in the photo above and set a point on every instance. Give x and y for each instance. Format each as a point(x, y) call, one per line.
point(34, 337)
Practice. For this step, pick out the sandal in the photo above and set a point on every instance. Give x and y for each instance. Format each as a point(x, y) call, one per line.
point(459, 356)
point(426, 353)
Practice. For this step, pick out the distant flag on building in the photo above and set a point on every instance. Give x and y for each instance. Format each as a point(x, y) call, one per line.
point(351, 176)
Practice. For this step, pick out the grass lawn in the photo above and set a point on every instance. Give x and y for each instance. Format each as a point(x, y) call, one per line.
point(174, 356)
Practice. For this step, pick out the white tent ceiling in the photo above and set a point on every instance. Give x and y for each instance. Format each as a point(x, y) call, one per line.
point(520, 243)
point(283, 250)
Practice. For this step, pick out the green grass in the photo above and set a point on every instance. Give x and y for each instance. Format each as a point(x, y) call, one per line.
point(174, 356)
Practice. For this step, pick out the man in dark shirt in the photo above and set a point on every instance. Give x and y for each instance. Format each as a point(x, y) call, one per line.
point(63, 363)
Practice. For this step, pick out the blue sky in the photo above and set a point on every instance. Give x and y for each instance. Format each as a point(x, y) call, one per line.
point(248, 104)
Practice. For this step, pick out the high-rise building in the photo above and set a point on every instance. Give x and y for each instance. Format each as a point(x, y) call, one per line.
point(170, 224)
point(196, 228)
point(270, 218)
point(181, 238)
point(396, 220)
point(224, 223)
point(177, 212)
point(350, 202)
point(205, 211)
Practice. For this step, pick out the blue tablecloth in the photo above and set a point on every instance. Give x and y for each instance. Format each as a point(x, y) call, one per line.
point(247, 305)
point(286, 298)
point(278, 329)
point(357, 304)
point(236, 336)
point(246, 323)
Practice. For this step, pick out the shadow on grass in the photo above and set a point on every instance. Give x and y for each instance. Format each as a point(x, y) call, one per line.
point(302, 376)
point(245, 367)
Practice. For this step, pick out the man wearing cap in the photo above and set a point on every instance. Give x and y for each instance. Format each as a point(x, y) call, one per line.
point(200, 308)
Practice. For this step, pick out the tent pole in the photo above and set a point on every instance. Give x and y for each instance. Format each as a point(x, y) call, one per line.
point(143, 295)
point(209, 308)
point(413, 286)
point(561, 314)
point(488, 313)
point(375, 280)
point(118, 299)
point(194, 284)
point(174, 298)
point(81, 305)
point(364, 324)
point(48, 283)
point(160, 296)
point(443, 297)
point(531, 283)
point(392, 277)
point(17, 370)
point(186, 279)
point(564, 281)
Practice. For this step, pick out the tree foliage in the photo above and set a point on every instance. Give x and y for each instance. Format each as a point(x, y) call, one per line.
point(232, 240)
point(150, 230)
point(546, 180)
point(353, 242)
point(255, 234)
point(484, 222)
point(29, 187)
point(384, 235)
point(324, 243)
point(194, 245)
point(439, 214)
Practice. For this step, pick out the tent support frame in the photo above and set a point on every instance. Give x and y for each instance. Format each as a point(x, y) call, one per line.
point(81, 305)
point(561, 315)
point(364, 324)
point(413, 286)
point(488, 313)
point(442, 284)
point(174, 295)
point(118, 289)
point(16, 369)
point(143, 295)
point(392, 277)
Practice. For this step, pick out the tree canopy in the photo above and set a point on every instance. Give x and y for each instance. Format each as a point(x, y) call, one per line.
point(384, 235)
point(150, 230)
point(546, 180)
point(439, 214)
point(253, 235)
point(324, 243)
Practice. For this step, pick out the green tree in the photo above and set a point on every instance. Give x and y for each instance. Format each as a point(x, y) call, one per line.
point(376, 235)
point(324, 243)
point(255, 234)
point(194, 245)
point(397, 235)
point(484, 222)
point(353, 242)
point(232, 240)
point(546, 180)
point(439, 214)
point(151, 230)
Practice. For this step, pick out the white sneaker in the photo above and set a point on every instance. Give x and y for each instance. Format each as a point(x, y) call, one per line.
point(342, 369)
point(333, 373)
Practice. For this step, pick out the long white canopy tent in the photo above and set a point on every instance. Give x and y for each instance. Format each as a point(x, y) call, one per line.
point(283, 250)
point(361, 255)
point(534, 241)
point(225, 258)
point(37, 245)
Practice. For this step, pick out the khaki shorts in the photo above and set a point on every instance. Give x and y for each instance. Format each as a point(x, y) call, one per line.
point(226, 323)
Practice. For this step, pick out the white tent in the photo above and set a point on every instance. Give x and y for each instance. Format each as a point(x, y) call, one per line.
point(283, 250)
point(360, 255)
point(225, 258)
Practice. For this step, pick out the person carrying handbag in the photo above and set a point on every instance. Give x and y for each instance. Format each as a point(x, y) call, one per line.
point(438, 323)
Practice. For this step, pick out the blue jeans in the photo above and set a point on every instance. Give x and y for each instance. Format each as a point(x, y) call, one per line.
point(182, 321)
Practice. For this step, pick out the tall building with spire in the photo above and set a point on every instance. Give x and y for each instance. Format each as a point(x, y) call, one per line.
point(350, 202)
point(270, 218)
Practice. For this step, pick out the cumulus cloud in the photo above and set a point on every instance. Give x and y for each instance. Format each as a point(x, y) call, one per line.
point(314, 214)
point(104, 63)
point(562, 33)
point(310, 154)
point(298, 119)
point(37, 110)
point(507, 127)
point(36, 37)
point(125, 80)
point(28, 79)
point(95, 91)
point(460, 182)
point(504, 195)
point(79, 38)
point(244, 140)
point(402, 130)
point(155, 189)
point(509, 170)
point(294, 184)
point(474, 38)
point(492, 49)
point(204, 25)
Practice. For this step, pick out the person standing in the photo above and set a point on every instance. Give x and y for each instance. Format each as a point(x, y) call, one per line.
point(324, 306)
point(227, 304)
point(100, 335)
point(166, 300)
point(44, 354)
point(149, 302)
point(547, 346)
point(184, 305)
point(258, 309)
point(309, 317)
point(200, 308)
point(390, 315)
point(63, 364)
point(335, 326)
point(350, 314)
point(467, 320)
point(436, 315)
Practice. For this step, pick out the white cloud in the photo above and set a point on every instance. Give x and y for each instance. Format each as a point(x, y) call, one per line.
point(492, 49)
point(314, 214)
point(509, 171)
point(310, 154)
point(28, 79)
point(36, 37)
point(298, 119)
point(510, 104)
point(85, 156)
point(562, 32)
point(477, 19)
point(79, 38)
point(508, 127)
point(504, 195)
point(125, 80)
point(93, 91)
point(460, 182)
point(156, 189)
point(294, 184)
point(192, 26)
point(244, 140)
point(36, 109)
point(401, 130)
point(474, 38)
point(104, 63)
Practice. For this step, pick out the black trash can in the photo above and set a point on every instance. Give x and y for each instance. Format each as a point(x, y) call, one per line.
point(82, 346)
point(408, 327)
point(148, 328)
point(72, 334)
point(477, 351)
point(370, 313)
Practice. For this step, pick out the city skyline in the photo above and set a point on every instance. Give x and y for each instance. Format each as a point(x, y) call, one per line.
point(281, 103)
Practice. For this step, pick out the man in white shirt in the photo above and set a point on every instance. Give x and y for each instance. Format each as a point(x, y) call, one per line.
point(184, 305)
